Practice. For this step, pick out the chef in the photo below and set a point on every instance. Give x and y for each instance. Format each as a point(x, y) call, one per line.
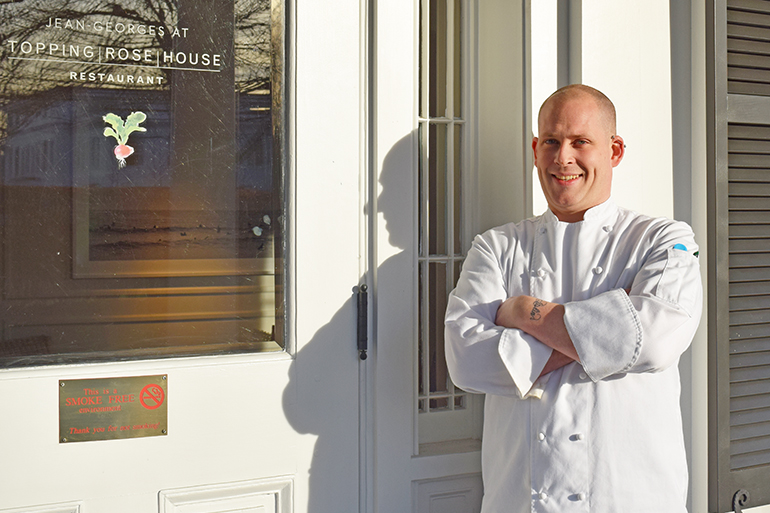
point(573, 323)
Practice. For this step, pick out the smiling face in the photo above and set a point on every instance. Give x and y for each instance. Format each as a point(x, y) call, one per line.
point(575, 153)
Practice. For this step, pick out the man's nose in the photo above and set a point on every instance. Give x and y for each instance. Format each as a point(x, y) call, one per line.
point(565, 155)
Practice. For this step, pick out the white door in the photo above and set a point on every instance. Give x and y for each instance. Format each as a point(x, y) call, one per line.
point(427, 434)
point(451, 161)
point(270, 431)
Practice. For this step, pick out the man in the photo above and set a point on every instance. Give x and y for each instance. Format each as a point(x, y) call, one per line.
point(573, 323)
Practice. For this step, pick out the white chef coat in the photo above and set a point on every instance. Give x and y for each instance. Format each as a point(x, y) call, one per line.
point(603, 435)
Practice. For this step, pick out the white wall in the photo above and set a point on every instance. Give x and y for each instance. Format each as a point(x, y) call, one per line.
point(623, 59)
point(501, 138)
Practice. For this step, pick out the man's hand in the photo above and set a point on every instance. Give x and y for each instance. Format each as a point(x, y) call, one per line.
point(542, 320)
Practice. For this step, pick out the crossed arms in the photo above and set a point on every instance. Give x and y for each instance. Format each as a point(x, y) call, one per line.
point(545, 322)
point(501, 343)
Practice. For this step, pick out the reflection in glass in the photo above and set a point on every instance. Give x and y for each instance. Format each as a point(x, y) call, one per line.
point(438, 284)
point(457, 174)
point(437, 189)
point(441, 403)
point(437, 94)
point(142, 190)
point(422, 341)
point(458, 59)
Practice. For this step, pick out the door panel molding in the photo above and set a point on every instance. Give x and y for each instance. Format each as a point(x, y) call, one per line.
point(69, 507)
point(272, 495)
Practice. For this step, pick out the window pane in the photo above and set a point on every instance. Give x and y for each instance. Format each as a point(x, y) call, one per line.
point(424, 53)
point(441, 403)
point(422, 188)
point(437, 189)
point(437, 306)
point(458, 267)
point(458, 189)
point(422, 349)
point(143, 201)
point(458, 59)
point(438, 59)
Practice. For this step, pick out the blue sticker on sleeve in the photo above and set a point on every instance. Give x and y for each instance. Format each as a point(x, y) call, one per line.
point(680, 246)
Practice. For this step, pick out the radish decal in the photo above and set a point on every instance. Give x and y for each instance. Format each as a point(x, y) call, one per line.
point(120, 130)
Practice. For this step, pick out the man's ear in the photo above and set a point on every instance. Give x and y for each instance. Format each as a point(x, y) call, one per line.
point(618, 150)
point(534, 149)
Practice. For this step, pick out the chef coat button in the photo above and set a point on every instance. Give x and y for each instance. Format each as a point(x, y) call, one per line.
point(543, 496)
point(541, 436)
point(542, 229)
point(581, 496)
point(607, 228)
point(579, 436)
point(598, 270)
point(540, 273)
point(582, 375)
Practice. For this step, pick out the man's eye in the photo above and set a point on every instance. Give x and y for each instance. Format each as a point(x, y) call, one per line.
point(551, 141)
point(581, 142)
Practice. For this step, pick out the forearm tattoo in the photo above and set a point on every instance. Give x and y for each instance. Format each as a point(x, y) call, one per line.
point(534, 315)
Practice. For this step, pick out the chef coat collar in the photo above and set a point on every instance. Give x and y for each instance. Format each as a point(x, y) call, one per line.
point(600, 212)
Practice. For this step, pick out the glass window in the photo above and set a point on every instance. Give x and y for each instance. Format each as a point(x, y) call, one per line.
point(143, 185)
point(441, 198)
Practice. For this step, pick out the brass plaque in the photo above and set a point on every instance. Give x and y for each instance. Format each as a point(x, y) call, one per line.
point(112, 408)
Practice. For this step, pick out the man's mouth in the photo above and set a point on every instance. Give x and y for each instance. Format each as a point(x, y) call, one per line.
point(567, 178)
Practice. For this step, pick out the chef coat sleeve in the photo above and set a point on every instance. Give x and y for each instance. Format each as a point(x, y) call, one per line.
point(647, 329)
point(481, 356)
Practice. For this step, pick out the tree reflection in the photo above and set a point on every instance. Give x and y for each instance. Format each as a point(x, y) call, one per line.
point(197, 207)
point(42, 42)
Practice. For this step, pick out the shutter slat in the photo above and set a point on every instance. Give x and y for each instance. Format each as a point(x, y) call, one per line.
point(740, 304)
point(749, 345)
point(750, 445)
point(737, 31)
point(748, 61)
point(750, 218)
point(751, 132)
point(756, 231)
point(751, 331)
point(749, 460)
point(757, 6)
point(743, 418)
point(744, 361)
point(751, 402)
point(738, 174)
point(749, 245)
point(749, 374)
point(743, 275)
point(750, 88)
point(746, 46)
point(750, 161)
point(753, 189)
point(747, 19)
point(743, 203)
point(749, 259)
point(748, 74)
point(749, 317)
point(748, 146)
point(749, 430)
point(750, 388)
point(755, 288)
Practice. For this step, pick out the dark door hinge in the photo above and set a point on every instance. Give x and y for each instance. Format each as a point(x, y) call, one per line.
point(363, 321)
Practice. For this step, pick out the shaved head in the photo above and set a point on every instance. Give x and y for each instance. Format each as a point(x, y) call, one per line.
point(576, 150)
point(573, 91)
